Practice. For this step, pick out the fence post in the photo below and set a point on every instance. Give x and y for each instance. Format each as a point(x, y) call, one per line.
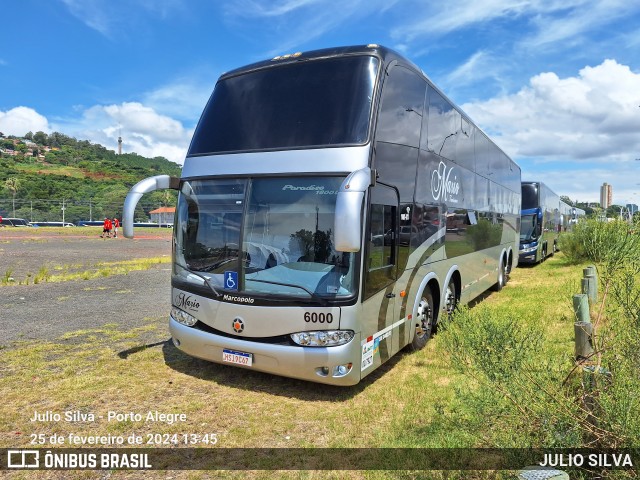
point(594, 380)
point(584, 346)
point(590, 283)
point(583, 329)
point(581, 307)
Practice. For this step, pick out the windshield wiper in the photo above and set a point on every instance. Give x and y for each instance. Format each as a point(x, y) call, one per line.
point(204, 279)
point(215, 265)
point(313, 295)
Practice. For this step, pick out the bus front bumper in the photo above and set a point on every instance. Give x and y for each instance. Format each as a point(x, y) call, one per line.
point(527, 258)
point(315, 364)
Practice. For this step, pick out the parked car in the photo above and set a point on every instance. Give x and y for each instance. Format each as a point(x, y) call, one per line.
point(14, 222)
point(51, 224)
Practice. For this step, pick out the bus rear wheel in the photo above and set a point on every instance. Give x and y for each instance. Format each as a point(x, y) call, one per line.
point(424, 320)
point(501, 278)
point(451, 297)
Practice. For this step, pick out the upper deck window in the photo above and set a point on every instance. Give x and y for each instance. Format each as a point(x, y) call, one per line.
point(530, 196)
point(303, 104)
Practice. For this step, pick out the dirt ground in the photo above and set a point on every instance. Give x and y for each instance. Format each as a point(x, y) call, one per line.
point(48, 310)
point(26, 250)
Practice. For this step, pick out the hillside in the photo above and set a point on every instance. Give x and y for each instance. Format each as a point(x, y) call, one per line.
point(39, 173)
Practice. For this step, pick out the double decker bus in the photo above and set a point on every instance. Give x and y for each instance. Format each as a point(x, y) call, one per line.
point(333, 205)
point(541, 222)
point(569, 216)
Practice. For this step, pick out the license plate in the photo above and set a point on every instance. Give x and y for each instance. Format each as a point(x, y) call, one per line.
point(239, 358)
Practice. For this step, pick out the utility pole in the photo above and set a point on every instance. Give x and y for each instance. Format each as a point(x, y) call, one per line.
point(63, 208)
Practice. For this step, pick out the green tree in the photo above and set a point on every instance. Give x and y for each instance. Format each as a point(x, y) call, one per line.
point(567, 200)
point(613, 211)
point(40, 138)
point(12, 184)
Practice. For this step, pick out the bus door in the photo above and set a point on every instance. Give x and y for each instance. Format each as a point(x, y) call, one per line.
point(382, 302)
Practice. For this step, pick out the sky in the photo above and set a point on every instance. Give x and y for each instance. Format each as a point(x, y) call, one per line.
point(555, 83)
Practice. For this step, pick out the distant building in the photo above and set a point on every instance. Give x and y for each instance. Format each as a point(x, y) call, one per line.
point(163, 214)
point(606, 195)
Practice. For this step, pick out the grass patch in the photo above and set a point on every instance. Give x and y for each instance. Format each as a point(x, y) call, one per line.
point(414, 400)
point(79, 272)
point(45, 169)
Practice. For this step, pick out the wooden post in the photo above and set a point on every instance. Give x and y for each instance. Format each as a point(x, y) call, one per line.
point(590, 283)
point(590, 288)
point(583, 338)
point(594, 380)
point(581, 307)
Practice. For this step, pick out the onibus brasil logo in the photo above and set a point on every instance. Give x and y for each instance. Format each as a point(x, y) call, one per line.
point(442, 186)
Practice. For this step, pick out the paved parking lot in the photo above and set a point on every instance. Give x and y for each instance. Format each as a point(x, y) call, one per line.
point(48, 310)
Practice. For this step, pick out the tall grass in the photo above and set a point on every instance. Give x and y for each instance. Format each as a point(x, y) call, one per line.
point(517, 398)
point(524, 392)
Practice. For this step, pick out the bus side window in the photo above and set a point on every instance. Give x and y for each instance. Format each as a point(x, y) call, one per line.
point(383, 239)
point(445, 124)
point(400, 116)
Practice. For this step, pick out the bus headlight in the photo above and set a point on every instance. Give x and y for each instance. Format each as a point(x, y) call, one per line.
point(529, 248)
point(322, 338)
point(183, 317)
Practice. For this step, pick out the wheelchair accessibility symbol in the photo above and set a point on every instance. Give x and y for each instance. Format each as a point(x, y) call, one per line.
point(231, 280)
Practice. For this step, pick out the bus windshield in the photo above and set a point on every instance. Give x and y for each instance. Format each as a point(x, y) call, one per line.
point(528, 228)
point(313, 103)
point(262, 236)
point(530, 196)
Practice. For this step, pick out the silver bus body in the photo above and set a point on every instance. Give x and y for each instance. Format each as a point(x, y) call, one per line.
point(322, 261)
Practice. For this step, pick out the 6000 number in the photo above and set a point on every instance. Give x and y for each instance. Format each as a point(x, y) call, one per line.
point(314, 317)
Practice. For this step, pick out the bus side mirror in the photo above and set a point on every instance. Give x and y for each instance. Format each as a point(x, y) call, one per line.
point(348, 220)
point(159, 182)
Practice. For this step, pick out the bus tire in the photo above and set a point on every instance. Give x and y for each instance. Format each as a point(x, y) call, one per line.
point(501, 278)
point(425, 319)
point(451, 298)
point(507, 273)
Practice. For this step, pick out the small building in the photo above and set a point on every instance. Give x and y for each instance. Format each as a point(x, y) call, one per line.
point(163, 215)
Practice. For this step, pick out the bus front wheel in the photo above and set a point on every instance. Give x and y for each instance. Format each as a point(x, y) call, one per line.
point(424, 320)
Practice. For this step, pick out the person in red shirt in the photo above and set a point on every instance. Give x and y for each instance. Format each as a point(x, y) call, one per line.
point(116, 224)
point(106, 228)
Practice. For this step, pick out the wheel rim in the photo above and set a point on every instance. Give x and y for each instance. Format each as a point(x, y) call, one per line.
point(425, 319)
point(501, 274)
point(451, 298)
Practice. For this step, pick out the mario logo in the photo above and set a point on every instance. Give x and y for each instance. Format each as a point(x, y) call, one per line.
point(238, 325)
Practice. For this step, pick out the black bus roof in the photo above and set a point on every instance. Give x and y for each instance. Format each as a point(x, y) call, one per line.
point(383, 53)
